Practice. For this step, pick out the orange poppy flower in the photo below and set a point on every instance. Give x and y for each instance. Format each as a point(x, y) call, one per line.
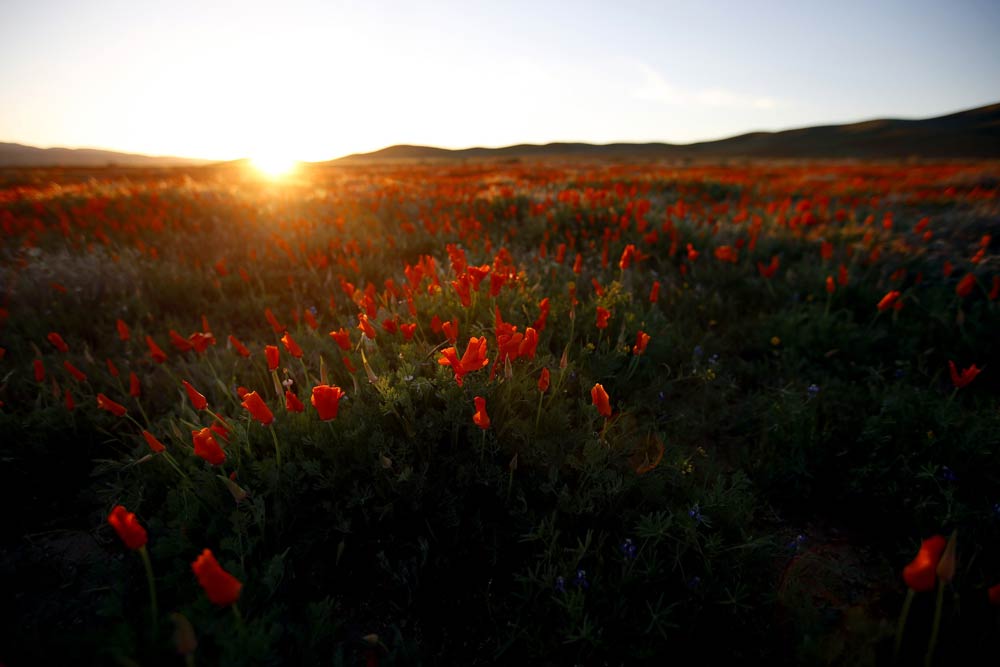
point(58, 342)
point(641, 341)
point(965, 285)
point(342, 338)
point(543, 380)
point(271, 352)
point(207, 448)
point(292, 347)
point(257, 408)
point(77, 374)
point(888, 300)
point(105, 403)
point(127, 527)
point(602, 317)
point(366, 326)
point(197, 400)
point(326, 400)
point(921, 574)
point(408, 330)
point(292, 402)
point(240, 348)
point(600, 399)
point(153, 442)
point(473, 359)
point(123, 332)
point(480, 418)
point(965, 377)
point(159, 356)
point(654, 293)
point(222, 588)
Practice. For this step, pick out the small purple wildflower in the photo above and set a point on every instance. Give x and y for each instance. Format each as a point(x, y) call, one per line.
point(948, 475)
point(813, 390)
point(629, 549)
point(560, 584)
point(695, 513)
point(796, 543)
point(693, 583)
point(580, 580)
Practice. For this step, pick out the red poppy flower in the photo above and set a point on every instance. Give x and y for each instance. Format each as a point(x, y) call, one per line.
point(207, 448)
point(994, 595)
point(271, 352)
point(127, 527)
point(105, 403)
point(326, 400)
point(921, 574)
point(965, 377)
point(39, 369)
point(480, 418)
point(111, 367)
point(240, 348)
point(134, 390)
point(222, 588)
point(292, 402)
point(654, 293)
point(600, 399)
point(292, 347)
point(830, 286)
point(408, 330)
point(153, 442)
point(257, 408)
point(342, 337)
point(58, 342)
point(68, 401)
point(159, 356)
point(197, 400)
point(123, 332)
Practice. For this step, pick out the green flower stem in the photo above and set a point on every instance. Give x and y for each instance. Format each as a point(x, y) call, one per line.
point(936, 627)
point(152, 587)
point(901, 626)
point(277, 445)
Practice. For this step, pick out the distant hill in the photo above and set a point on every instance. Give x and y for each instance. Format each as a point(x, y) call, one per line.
point(18, 155)
point(974, 133)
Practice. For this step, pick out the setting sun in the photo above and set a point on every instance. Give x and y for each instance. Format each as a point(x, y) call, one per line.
point(274, 165)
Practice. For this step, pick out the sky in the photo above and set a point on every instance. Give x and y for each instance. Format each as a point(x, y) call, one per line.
point(317, 79)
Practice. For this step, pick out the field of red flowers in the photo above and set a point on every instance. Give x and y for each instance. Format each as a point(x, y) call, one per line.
point(479, 413)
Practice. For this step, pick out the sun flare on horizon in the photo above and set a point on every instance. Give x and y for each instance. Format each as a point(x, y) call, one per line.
point(274, 165)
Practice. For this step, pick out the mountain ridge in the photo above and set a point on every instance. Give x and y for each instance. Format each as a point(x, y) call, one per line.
point(972, 133)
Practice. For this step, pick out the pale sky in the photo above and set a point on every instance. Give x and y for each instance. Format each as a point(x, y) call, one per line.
point(318, 79)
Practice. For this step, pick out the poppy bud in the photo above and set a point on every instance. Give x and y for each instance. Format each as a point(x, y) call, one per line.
point(123, 332)
point(292, 402)
point(947, 564)
point(292, 347)
point(58, 342)
point(184, 638)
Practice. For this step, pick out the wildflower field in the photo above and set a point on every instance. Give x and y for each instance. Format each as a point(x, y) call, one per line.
point(462, 413)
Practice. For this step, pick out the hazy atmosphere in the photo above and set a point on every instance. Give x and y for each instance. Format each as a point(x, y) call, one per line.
point(317, 80)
